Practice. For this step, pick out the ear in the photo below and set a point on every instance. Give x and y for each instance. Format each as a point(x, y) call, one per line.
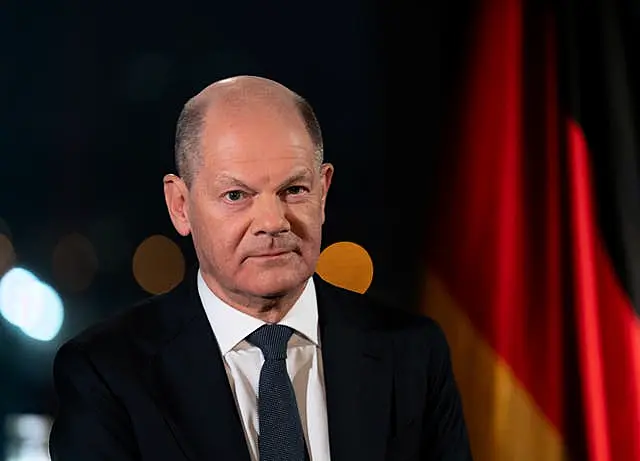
point(176, 196)
point(326, 175)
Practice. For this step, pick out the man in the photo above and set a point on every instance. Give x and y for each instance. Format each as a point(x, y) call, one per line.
point(255, 358)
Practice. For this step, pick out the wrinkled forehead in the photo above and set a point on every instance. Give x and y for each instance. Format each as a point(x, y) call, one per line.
point(270, 171)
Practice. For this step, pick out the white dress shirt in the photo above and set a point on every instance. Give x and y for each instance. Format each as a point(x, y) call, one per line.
point(243, 362)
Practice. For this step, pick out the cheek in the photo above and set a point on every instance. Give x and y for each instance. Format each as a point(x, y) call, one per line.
point(218, 235)
point(307, 216)
point(308, 228)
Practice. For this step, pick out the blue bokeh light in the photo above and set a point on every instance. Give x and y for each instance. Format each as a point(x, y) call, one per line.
point(30, 304)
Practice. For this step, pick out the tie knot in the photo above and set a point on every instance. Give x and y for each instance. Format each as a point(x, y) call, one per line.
point(272, 341)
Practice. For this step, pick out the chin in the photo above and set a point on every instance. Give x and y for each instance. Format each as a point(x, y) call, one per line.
point(275, 283)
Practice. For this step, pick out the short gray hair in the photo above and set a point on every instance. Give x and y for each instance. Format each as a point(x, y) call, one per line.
point(188, 155)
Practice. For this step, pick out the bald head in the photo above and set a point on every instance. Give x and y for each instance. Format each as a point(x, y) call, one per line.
point(235, 95)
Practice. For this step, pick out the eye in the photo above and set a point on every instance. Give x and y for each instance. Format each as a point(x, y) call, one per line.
point(234, 195)
point(295, 190)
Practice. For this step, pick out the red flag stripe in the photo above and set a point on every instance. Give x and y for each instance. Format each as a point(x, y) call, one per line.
point(608, 330)
point(497, 243)
point(586, 296)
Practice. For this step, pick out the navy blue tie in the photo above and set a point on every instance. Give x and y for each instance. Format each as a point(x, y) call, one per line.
point(281, 437)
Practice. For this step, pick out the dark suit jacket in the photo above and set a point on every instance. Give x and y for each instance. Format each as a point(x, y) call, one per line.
point(150, 384)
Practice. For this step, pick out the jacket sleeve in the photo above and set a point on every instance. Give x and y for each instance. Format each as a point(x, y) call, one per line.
point(91, 424)
point(445, 436)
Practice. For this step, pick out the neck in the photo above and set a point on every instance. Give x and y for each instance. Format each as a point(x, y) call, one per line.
point(269, 309)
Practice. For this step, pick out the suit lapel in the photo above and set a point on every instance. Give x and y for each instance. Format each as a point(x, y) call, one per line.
point(190, 385)
point(358, 377)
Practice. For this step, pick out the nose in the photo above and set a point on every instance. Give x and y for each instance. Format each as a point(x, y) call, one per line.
point(270, 216)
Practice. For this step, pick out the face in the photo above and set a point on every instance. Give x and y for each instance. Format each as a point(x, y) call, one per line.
point(256, 206)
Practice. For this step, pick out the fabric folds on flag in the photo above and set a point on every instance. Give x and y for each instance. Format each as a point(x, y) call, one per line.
point(535, 245)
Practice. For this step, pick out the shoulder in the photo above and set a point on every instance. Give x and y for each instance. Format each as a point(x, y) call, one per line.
point(134, 333)
point(409, 331)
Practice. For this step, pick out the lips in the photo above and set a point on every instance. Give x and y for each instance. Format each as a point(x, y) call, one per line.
point(271, 254)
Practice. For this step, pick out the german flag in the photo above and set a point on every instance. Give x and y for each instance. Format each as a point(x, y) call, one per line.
point(534, 260)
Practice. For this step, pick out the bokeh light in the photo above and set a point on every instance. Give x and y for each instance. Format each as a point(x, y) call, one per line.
point(7, 254)
point(347, 265)
point(30, 304)
point(74, 262)
point(158, 264)
point(27, 437)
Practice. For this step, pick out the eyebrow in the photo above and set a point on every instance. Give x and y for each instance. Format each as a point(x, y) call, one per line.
point(303, 175)
point(228, 180)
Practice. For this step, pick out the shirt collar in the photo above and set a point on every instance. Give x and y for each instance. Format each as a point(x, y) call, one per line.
point(231, 326)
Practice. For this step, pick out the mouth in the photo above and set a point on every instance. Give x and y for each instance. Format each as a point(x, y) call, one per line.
point(269, 255)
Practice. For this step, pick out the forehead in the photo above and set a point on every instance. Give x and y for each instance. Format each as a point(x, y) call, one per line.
point(255, 135)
